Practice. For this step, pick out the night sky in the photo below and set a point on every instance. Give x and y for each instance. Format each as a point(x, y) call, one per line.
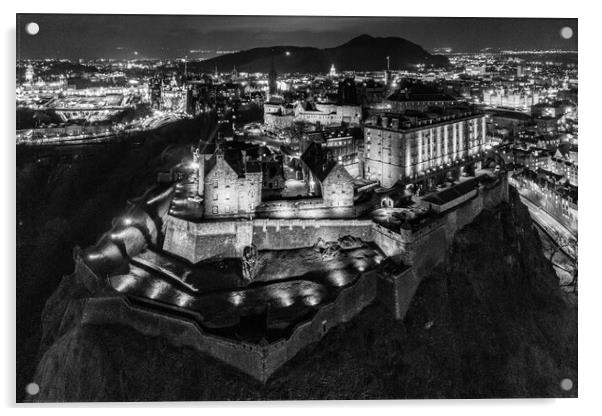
point(160, 36)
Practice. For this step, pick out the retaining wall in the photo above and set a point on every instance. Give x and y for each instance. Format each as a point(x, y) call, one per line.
point(396, 291)
point(198, 241)
point(270, 234)
point(421, 251)
point(427, 247)
point(260, 362)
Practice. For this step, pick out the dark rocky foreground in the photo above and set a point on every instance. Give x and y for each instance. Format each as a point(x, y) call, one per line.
point(491, 322)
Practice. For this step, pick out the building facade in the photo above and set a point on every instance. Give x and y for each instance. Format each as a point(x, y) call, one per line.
point(231, 189)
point(329, 114)
point(337, 188)
point(397, 147)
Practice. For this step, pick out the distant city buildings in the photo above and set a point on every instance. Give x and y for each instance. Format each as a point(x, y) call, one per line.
point(423, 127)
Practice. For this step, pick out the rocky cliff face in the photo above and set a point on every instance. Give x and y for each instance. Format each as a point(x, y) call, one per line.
point(490, 322)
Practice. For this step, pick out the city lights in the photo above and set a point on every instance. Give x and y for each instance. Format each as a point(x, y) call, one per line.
point(269, 195)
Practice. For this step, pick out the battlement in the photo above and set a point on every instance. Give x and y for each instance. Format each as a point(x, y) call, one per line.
point(411, 255)
point(259, 361)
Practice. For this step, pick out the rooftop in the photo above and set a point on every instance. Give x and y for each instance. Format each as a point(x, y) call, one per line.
point(402, 96)
point(415, 119)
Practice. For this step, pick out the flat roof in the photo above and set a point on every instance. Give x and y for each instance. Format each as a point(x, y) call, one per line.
point(449, 194)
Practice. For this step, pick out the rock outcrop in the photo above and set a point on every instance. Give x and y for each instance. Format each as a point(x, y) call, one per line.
point(490, 322)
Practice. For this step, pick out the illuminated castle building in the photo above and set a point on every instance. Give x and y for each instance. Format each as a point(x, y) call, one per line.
point(231, 185)
point(414, 145)
point(327, 178)
point(328, 114)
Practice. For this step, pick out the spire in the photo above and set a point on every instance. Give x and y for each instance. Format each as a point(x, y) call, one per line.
point(272, 78)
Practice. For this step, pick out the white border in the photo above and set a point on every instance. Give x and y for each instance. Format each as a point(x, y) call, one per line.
point(589, 66)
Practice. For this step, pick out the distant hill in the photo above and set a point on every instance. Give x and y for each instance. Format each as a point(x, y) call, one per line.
point(363, 53)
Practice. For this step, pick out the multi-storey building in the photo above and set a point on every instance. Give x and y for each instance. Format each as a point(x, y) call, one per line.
point(341, 145)
point(407, 146)
point(565, 163)
point(403, 100)
point(328, 114)
point(517, 98)
point(232, 185)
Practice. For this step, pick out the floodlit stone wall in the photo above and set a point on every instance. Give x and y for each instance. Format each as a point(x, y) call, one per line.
point(178, 329)
point(273, 234)
point(199, 241)
point(305, 208)
point(260, 362)
point(396, 291)
point(420, 251)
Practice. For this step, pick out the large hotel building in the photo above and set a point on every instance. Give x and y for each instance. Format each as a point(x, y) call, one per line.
point(414, 145)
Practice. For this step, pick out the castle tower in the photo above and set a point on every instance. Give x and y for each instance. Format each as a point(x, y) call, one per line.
point(199, 160)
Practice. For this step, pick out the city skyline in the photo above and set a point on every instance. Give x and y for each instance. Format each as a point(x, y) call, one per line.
point(71, 36)
point(371, 214)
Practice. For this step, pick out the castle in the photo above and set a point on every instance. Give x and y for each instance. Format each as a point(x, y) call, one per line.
point(164, 275)
point(223, 263)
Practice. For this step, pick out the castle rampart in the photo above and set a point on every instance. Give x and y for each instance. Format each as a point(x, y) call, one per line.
point(270, 234)
point(414, 253)
point(199, 241)
point(258, 361)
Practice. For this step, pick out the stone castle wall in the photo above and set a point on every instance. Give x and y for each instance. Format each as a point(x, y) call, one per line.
point(199, 241)
point(420, 251)
point(260, 362)
point(307, 208)
point(270, 234)
point(351, 301)
point(396, 291)
point(427, 247)
point(179, 330)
